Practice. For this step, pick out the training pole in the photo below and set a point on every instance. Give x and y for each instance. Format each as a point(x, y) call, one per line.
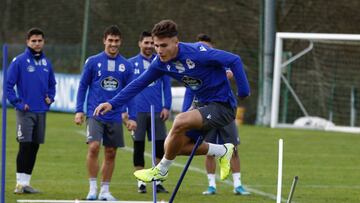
point(291, 193)
point(153, 144)
point(3, 145)
point(197, 144)
point(280, 163)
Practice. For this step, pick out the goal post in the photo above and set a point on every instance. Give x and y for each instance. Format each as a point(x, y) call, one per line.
point(316, 87)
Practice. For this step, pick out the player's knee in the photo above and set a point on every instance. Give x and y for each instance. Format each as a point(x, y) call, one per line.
point(138, 156)
point(110, 153)
point(94, 148)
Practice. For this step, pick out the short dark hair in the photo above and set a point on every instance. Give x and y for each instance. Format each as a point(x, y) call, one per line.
point(144, 34)
point(34, 31)
point(165, 28)
point(112, 30)
point(203, 37)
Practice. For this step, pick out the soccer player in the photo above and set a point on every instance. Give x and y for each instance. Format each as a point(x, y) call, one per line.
point(158, 94)
point(104, 75)
point(201, 69)
point(34, 78)
point(227, 134)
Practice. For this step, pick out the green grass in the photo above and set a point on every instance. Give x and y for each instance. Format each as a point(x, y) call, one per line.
point(327, 164)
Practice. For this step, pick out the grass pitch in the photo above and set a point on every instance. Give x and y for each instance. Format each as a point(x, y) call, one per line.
point(327, 164)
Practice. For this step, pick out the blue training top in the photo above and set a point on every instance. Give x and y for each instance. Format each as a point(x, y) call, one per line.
point(34, 80)
point(104, 77)
point(200, 68)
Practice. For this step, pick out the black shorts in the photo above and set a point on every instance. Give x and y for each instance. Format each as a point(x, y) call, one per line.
point(30, 127)
point(143, 121)
point(215, 115)
point(227, 134)
point(110, 133)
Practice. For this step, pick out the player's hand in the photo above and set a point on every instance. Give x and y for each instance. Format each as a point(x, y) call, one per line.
point(102, 109)
point(131, 125)
point(79, 118)
point(26, 107)
point(229, 74)
point(164, 114)
point(47, 99)
point(125, 117)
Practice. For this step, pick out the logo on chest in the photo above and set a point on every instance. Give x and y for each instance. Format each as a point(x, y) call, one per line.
point(110, 83)
point(192, 83)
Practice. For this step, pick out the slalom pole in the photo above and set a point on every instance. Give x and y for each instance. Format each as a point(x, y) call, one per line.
point(197, 144)
point(153, 144)
point(3, 146)
point(280, 165)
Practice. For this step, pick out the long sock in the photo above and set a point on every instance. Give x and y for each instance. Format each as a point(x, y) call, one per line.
point(216, 150)
point(141, 183)
point(26, 179)
point(164, 165)
point(93, 184)
point(211, 179)
point(236, 179)
point(104, 187)
point(19, 178)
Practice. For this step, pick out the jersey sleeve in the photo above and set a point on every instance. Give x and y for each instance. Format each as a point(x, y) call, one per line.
point(12, 79)
point(166, 87)
point(52, 84)
point(234, 62)
point(85, 81)
point(188, 99)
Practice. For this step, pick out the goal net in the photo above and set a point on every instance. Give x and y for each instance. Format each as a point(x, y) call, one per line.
point(316, 82)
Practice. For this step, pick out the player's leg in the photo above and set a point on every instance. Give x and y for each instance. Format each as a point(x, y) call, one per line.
point(143, 123)
point(112, 139)
point(230, 134)
point(210, 164)
point(179, 142)
point(94, 133)
point(160, 135)
point(25, 161)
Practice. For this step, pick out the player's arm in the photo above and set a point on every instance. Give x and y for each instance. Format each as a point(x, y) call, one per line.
point(130, 90)
point(166, 88)
point(51, 87)
point(130, 122)
point(13, 77)
point(84, 83)
point(234, 62)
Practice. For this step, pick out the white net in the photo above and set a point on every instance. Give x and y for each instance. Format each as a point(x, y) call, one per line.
point(323, 83)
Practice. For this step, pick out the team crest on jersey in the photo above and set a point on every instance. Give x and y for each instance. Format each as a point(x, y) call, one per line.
point(30, 69)
point(43, 61)
point(179, 66)
point(122, 67)
point(192, 83)
point(202, 48)
point(99, 65)
point(136, 71)
point(110, 83)
point(190, 63)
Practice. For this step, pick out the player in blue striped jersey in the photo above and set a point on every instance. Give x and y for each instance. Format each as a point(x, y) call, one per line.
point(200, 68)
point(104, 75)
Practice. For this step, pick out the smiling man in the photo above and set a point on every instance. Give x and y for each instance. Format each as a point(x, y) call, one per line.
point(201, 69)
point(104, 75)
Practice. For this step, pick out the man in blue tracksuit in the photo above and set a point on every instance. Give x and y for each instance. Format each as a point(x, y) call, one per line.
point(104, 75)
point(202, 70)
point(158, 93)
point(34, 78)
